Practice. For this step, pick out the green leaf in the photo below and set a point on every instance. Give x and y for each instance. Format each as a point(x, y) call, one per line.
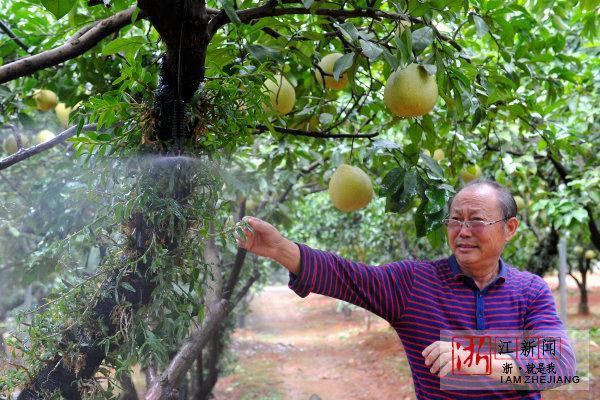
point(421, 38)
point(411, 153)
point(349, 30)
point(436, 238)
point(415, 133)
point(405, 47)
point(480, 25)
point(391, 182)
point(342, 65)
point(230, 11)
point(433, 168)
point(419, 218)
point(59, 8)
point(477, 117)
point(437, 201)
point(128, 45)
point(390, 59)
point(580, 215)
point(410, 183)
point(399, 202)
point(371, 50)
point(128, 286)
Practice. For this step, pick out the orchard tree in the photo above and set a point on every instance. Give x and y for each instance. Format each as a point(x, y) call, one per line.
point(164, 99)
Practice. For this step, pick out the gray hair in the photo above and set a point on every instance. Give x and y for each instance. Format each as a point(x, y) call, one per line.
point(507, 203)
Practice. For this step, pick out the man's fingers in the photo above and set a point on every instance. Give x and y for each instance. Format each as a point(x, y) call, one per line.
point(446, 368)
point(432, 357)
point(440, 362)
point(431, 353)
point(429, 349)
point(252, 221)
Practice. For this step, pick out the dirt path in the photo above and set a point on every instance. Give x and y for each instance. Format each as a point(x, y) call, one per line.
point(292, 348)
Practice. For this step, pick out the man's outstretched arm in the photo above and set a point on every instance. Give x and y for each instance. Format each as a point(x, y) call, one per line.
point(383, 290)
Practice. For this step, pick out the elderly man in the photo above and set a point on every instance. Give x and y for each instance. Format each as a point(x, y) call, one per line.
point(472, 290)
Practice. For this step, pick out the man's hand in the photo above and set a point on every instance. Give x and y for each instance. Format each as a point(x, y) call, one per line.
point(268, 242)
point(438, 357)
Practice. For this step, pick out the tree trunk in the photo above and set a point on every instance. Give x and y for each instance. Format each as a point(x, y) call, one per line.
point(129, 392)
point(183, 389)
point(214, 351)
point(198, 376)
point(584, 308)
point(58, 374)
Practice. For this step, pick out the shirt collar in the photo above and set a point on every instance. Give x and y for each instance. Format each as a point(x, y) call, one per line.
point(458, 275)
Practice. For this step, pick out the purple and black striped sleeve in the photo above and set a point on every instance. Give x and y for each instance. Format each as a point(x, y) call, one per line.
point(383, 290)
point(543, 322)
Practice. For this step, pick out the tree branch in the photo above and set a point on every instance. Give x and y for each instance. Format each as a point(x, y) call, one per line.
point(594, 232)
point(24, 154)
point(316, 134)
point(270, 9)
point(579, 285)
point(14, 37)
point(234, 275)
point(162, 388)
point(255, 276)
point(81, 42)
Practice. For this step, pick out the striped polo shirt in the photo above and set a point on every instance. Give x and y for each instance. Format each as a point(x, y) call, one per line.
point(420, 298)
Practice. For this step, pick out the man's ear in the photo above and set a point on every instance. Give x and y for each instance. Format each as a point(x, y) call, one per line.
point(510, 228)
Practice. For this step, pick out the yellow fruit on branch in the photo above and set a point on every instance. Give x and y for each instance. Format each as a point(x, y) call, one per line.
point(10, 143)
point(410, 92)
point(438, 155)
point(282, 94)
point(578, 250)
point(43, 136)
point(326, 64)
point(427, 152)
point(520, 203)
point(45, 99)
point(589, 254)
point(62, 114)
point(470, 173)
point(350, 188)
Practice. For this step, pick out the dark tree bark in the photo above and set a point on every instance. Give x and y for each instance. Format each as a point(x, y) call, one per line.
point(584, 266)
point(198, 376)
point(182, 25)
point(584, 308)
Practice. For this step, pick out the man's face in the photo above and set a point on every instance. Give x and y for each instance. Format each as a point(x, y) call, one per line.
point(479, 248)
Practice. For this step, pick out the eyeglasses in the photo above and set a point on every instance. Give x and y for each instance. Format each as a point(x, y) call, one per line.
point(456, 225)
